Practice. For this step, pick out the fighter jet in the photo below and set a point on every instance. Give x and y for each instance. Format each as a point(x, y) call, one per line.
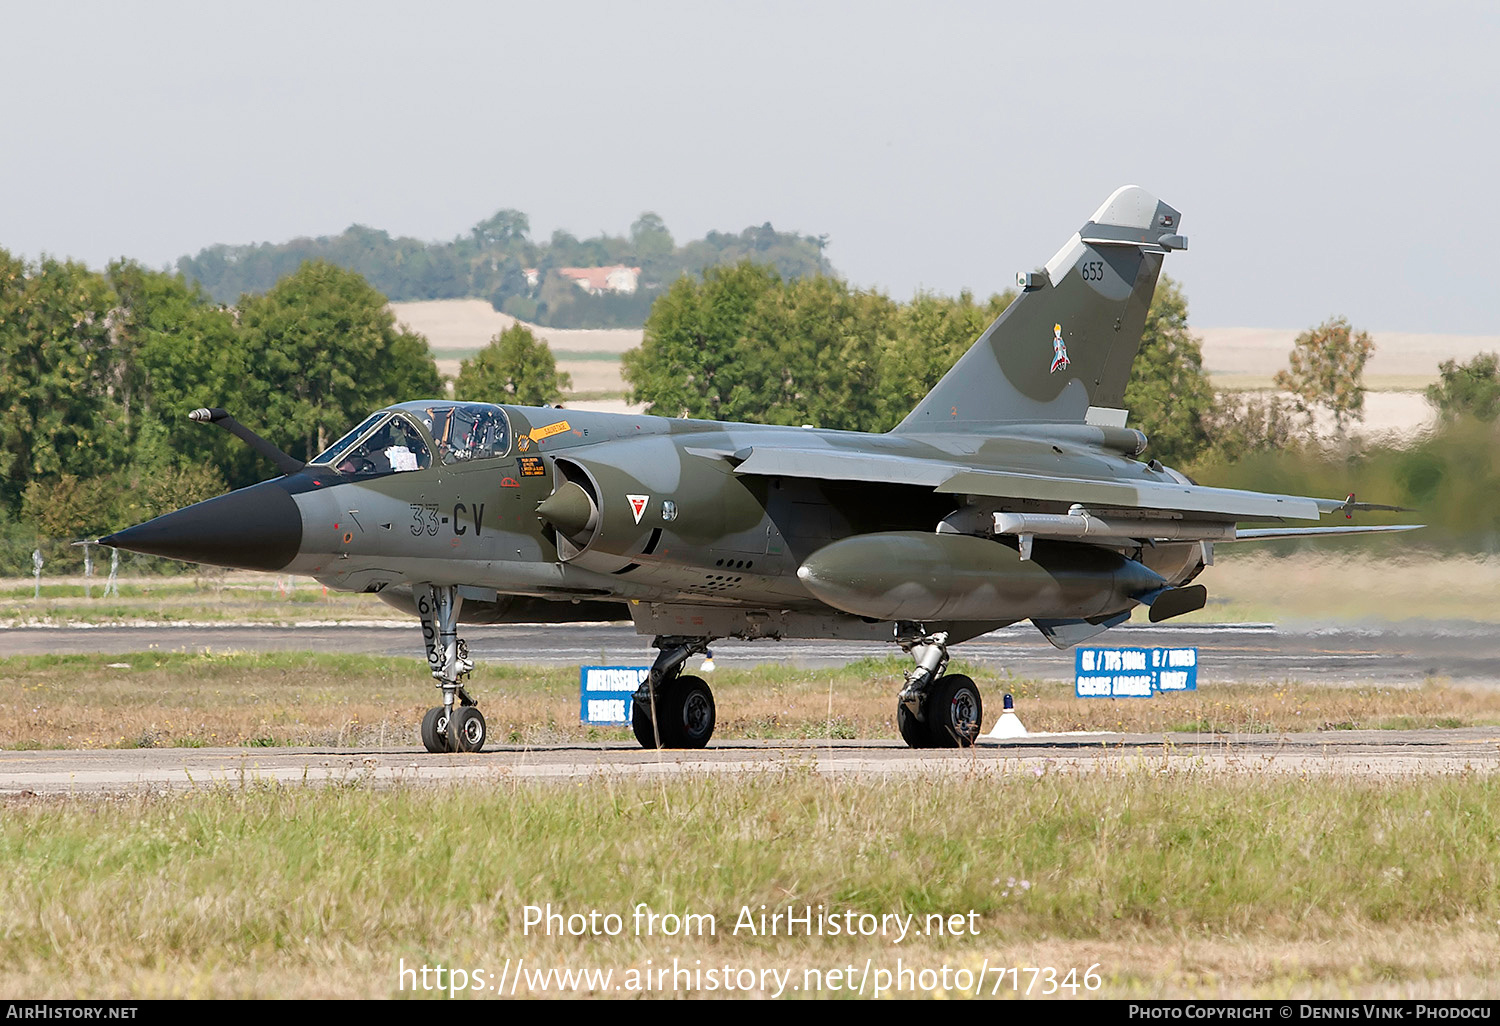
point(1012, 492)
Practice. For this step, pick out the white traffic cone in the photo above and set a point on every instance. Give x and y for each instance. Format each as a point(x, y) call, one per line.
point(1009, 724)
point(708, 662)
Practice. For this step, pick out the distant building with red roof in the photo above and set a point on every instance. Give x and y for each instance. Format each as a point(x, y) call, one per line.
point(599, 280)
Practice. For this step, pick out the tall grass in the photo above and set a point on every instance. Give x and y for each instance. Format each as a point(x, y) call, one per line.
point(299, 890)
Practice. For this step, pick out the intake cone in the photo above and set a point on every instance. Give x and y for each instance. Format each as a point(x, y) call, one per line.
point(572, 512)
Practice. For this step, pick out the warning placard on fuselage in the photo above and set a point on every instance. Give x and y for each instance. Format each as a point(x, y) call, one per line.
point(1134, 672)
point(605, 693)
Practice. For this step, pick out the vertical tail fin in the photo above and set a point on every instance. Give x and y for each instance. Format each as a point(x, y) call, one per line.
point(1067, 342)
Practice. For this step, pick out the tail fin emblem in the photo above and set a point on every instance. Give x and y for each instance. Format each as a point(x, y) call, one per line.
point(1059, 350)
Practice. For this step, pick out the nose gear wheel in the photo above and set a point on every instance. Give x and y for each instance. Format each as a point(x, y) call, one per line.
point(435, 730)
point(466, 730)
point(456, 725)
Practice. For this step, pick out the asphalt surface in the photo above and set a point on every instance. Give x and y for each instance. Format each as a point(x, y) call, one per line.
point(1401, 653)
point(1353, 753)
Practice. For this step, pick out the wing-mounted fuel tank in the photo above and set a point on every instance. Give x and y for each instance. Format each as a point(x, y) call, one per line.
point(648, 500)
point(909, 575)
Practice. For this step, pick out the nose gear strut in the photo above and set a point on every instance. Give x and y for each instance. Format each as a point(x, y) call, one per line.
point(446, 728)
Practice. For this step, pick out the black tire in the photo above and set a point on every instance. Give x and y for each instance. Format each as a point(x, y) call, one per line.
point(685, 714)
point(640, 722)
point(688, 719)
point(435, 730)
point(466, 730)
point(913, 731)
point(954, 711)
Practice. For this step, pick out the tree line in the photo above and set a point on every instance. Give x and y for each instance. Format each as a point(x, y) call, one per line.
point(744, 343)
point(490, 261)
point(98, 370)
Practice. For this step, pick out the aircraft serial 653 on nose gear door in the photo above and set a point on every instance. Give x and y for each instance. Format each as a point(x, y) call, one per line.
point(1011, 492)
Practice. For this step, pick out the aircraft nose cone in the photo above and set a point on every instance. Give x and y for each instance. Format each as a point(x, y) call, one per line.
point(255, 528)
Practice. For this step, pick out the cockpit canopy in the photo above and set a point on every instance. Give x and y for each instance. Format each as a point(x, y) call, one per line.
point(466, 431)
point(404, 438)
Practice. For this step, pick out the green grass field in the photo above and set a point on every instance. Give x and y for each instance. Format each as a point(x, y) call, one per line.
point(165, 699)
point(1165, 883)
point(1180, 882)
point(225, 597)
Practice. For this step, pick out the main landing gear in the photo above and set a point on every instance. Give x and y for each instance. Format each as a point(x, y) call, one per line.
point(676, 710)
point(672, 709)
point(457, 725)
point(936, 709)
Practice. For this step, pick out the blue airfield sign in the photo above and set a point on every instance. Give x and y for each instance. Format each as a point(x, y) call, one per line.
point(1134, 672)
point(605, 693)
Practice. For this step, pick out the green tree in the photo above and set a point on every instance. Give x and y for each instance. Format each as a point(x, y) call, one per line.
point(694, 360)
point(1169, 397)
point(653, 248)
point(1327, 364)
point(650, 238)
point(812, 355)
point(69, 508)
point(489, 259)
point(66, 508)
point(1242, 424)
point(1469, 389)
point(143, 494)
point(175, 350)
point(323, 350)
point(516, 367)
point(924, 341)
point(745, 344)
point(505, 230)
point(564, 250)
point(54, 371)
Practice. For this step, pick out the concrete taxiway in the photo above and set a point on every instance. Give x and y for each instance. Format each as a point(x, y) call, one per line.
point(1356, 753)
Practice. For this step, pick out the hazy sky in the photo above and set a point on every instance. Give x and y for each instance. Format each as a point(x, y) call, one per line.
point(1327, 158)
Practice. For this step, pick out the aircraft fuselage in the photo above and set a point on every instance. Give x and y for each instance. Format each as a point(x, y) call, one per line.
point(676, 523)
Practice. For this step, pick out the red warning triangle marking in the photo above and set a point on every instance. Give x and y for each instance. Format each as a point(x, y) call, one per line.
point(638, 505)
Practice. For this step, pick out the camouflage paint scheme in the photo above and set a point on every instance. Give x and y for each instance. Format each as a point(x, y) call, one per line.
point(1011, 492)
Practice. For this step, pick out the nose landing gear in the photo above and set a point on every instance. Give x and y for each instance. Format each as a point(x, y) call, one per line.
point(457, 725)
